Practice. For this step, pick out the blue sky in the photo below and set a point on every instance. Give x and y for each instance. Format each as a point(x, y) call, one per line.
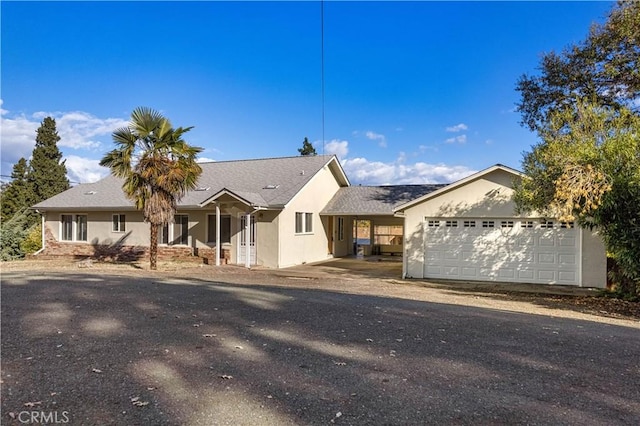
point(415, 92)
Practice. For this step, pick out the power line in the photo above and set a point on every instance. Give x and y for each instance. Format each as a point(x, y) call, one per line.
point(322, 66)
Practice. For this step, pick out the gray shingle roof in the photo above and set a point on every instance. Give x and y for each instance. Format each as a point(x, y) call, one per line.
point(269, 182)
point(374, 200)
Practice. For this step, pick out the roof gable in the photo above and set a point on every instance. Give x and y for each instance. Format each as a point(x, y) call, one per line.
point(458, 184)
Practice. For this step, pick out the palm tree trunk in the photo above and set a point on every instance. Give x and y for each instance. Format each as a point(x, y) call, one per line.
point(153, 248)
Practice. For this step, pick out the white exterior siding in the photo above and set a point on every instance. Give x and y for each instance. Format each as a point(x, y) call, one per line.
point(558, 255)
point(296, 249)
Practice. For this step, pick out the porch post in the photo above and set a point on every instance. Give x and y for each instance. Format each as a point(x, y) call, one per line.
point(247, 241)
point(218, 234)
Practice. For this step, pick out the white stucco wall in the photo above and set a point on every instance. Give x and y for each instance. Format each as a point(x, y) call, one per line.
point(488, 196)
point(295, 248)
point(99, 227)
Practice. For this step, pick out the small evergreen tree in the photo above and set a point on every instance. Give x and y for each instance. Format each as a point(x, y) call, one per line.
point(48, 173)
point(18, 194)
point(307, 148)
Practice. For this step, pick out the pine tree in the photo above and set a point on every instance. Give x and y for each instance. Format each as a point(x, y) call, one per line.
point(18, 194)
point(48, 173)
point(307, 148)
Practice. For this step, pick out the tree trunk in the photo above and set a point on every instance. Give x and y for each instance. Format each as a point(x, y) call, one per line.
point(153, 247)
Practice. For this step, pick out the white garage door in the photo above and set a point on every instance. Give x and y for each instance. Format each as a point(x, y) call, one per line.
point(502, 250)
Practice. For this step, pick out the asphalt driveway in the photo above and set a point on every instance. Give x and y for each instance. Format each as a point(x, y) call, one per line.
point(97, 348)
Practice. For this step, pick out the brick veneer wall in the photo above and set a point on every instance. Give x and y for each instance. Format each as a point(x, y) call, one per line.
point(125, 253)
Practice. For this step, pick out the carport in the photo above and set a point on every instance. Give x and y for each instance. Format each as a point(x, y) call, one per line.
point(361, 219)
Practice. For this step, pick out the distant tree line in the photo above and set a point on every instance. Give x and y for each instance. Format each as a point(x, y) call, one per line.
point(33, 181)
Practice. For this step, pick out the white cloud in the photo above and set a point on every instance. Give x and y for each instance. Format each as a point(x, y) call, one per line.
point(365, 172)
point(457, 128)
point(382, 141)
point(84, 170)
point(337, 147)
point(461, 139)
point(205, 160)
point(77, 130)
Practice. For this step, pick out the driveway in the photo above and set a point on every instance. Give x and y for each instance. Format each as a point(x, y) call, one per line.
point(127, 348)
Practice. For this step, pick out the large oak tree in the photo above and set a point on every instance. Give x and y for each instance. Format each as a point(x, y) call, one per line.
point(585, 106)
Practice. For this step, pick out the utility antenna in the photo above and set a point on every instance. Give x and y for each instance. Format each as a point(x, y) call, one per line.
point(322, 66)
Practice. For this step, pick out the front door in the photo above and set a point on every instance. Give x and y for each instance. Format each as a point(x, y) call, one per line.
point(242, 247)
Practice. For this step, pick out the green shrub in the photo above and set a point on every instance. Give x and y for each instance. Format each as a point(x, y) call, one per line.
point(32, 242)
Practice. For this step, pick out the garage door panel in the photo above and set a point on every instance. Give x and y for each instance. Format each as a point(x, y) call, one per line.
point(567, 276)
point(522, 251)
point(547, 258)
point(567, 259)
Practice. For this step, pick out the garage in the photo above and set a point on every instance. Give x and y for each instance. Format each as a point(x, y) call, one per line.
point(502, 249)
point(468, 230)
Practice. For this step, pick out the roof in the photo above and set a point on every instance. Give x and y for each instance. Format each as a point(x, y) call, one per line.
point(456, 184)
point(268, 183)
point(374, 200)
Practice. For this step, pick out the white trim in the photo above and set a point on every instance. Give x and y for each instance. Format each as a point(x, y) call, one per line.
point(218, 234)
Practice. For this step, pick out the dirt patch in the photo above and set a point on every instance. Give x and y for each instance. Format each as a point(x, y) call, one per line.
point(362, 277)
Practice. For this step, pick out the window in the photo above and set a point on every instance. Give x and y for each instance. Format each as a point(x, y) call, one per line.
point(488, 224)
point(566, 225)
point(225, 229)
point(73, 227)
point(451, 224)
point(180, 229)
point(81, 227)
point(506, 224)
point(433, 223)
point(304, 223)
point(469, 224)
point(163, 237)
point(526, 224)
point(341, 229)
point(118, 223)
point(387, 234)
point(308, 222)
point(546, 224)
point(66, 225)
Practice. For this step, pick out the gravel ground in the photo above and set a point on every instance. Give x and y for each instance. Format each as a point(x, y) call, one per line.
point(337, 343)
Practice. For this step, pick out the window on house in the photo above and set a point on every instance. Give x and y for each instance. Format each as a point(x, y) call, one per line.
point(469, 224)
point(66, 224)
point(225, 229)
point(488, 224)
point(387, 234)
point(308, 222)
point(118, 223)
point(304, 223)
point(433, 223)
point(506, 224)
point(526, 224)
point(451, 224)
point(163, 234)
point(81, 227)
point(546, 224)
point(180, 229)
point(73, 227)
point(568, 225)
point(341, 229)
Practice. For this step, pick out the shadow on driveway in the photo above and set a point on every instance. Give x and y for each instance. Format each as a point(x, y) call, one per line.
point(111, 349)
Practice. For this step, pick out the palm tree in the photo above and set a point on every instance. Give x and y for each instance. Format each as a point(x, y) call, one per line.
point(158, 168)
